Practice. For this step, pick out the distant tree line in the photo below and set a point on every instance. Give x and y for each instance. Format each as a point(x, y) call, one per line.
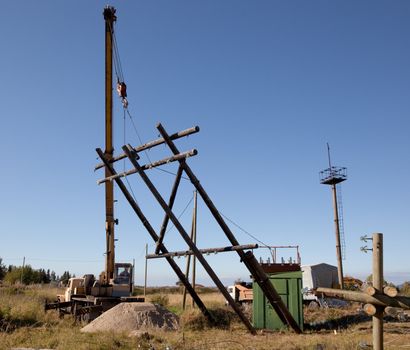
point(27, 275)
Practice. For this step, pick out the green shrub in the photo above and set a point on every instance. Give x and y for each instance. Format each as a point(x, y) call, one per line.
point(405, 289)
point(161, 299)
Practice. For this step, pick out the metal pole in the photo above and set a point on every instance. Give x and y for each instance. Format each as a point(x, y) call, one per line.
point(378, 285)
point(110, 18)
point(194, 240)
point(128, 150)
point(154, 236)
point(338, 245)
point(248, 258)
point(146, 269)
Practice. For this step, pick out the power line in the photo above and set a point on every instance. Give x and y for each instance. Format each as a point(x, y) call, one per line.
point(120, 77)
point(244, 231)
point(145, 151)
point(182, 213)
point(54, 260)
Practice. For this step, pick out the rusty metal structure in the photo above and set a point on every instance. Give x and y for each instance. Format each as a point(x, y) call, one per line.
point(333, 176)
point(245, 252)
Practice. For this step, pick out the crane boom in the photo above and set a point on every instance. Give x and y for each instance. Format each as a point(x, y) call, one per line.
point(110, 18)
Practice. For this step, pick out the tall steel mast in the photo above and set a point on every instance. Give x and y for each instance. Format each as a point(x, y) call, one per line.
point(333, 176)
point(110, 18)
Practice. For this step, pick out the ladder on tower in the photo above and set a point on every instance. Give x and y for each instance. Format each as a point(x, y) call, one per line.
point(341, 223)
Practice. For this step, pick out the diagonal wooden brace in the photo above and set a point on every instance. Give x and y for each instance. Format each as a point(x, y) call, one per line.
point(153, 144)
point(248, 258)
point(170, 204)
point(158, 163)
point(128, 150)
point(154, 236)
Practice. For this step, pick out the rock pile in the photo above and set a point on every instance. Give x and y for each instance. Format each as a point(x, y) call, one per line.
point(131, 317)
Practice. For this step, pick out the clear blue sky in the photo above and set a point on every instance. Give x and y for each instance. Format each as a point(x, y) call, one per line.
point(268, 82)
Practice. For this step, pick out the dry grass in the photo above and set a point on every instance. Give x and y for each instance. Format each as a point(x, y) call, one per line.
point(174, 301)
point(28, 326)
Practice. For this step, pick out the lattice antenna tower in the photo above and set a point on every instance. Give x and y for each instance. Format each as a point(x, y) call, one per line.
point(334, 176)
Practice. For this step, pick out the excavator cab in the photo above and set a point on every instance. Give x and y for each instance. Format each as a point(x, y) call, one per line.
point(123, 279)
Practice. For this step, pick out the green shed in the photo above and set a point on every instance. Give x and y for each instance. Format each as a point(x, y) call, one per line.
point(288, 284)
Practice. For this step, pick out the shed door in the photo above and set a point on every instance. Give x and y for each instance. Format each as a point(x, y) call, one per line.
point(272, 319)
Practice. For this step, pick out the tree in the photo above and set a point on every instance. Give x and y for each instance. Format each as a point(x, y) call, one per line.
point(65, 277)
point(53, 276)
point(27, 275)
point(3, 269)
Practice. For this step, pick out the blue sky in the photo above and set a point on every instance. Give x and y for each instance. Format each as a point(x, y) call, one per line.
point(268, 82)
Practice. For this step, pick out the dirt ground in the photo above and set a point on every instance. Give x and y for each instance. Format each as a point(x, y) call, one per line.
point(23, 323)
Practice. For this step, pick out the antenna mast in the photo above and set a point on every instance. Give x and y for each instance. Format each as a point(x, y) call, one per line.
point(333, 176)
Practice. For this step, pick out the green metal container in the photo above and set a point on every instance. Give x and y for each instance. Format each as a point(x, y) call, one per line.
point(289, 287)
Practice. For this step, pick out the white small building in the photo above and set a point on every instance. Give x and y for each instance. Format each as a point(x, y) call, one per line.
point(315, 276)
point(319, 275)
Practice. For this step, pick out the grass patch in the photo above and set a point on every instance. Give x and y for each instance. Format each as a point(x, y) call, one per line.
point(161, 299)
point(194, 320)
point(23, 307)
point(30, 326)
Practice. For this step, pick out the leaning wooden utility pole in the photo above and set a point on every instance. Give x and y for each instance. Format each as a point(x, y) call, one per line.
point(194, 240)
point(155, 237)
point(110, 18)
point(247, 258)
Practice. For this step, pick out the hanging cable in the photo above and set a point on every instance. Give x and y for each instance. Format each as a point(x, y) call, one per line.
point(125, 141)
point(121, 86)
point(122, 92)
point(145, 151)
point(136, 132)
point(117, 65)
point(182, 213)
point(28, 259)
point(124, 137)
point(117, 56)
point(244, 231)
